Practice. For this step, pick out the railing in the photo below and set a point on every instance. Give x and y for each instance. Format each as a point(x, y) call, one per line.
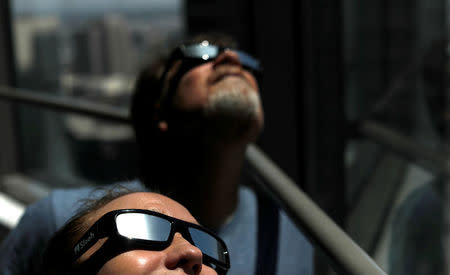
point(424, 156)
point(346, 255)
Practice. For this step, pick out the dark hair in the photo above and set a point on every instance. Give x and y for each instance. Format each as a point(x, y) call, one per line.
point(58, 253)
point(145, 111)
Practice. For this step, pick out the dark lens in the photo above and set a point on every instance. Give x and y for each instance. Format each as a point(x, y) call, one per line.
point(249, 62)
point(208, 244)
point(143, 226)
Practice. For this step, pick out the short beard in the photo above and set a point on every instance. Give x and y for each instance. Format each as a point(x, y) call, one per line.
point(233, 110)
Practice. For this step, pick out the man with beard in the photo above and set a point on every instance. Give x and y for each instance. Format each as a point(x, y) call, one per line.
point(194, 118)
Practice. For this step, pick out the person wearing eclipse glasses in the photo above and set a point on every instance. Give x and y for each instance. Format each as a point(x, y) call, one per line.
point(194, 114)
point(135, 233)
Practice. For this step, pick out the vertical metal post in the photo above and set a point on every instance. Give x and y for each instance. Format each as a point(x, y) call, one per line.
point(8, 156)
point(321, 107)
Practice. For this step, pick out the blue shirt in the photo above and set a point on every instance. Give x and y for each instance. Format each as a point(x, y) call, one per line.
point(22, 249)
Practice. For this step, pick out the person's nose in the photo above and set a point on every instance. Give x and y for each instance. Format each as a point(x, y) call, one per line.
point(227, 57)
point(182, 254)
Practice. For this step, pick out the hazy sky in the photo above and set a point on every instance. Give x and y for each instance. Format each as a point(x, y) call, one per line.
point(45, 6)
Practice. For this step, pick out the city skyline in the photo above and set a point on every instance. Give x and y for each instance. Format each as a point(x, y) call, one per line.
point(87, 6)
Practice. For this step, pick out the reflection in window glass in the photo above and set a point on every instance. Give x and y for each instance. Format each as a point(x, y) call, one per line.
point(397, 71)
point(90, 50)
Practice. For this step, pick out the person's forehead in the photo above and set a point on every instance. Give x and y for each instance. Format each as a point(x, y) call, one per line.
point(148, 201)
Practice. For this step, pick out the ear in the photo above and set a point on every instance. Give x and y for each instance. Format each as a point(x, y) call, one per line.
point(161, 123)
point(162, 126)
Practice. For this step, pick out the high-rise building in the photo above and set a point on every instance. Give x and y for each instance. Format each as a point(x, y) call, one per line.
point(46, 67)
point(26, 30)
point(103, 47)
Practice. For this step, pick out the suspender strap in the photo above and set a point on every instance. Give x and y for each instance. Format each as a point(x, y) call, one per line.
point(268, 229)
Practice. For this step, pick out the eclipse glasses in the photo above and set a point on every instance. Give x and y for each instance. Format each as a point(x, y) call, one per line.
point(193, 55)
point(197, 54)
point(132, 229)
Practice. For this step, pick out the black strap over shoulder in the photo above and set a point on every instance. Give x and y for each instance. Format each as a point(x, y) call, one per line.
point(268, 230)
point(268, 224)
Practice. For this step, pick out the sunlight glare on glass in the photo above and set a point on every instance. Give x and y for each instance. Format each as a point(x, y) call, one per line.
point(143, 226)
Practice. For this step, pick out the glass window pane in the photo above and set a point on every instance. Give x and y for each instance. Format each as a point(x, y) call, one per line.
point(396, 71)
point(85, 50)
